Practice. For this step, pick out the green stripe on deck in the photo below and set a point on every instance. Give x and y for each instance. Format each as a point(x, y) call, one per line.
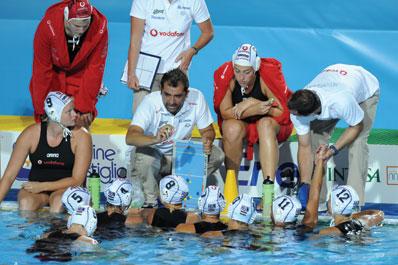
point(377, 136)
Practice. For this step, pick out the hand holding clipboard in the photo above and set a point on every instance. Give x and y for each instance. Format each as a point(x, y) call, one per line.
point(147, 67)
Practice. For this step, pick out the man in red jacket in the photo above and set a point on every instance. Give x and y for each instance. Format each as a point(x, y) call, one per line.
point(70, 49)
point(250, 99)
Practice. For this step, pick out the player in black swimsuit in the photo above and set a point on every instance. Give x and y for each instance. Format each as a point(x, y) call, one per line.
point(210, 204)
point(59, 152)
point(342, 205)
point(56, 245)
point(173, 190)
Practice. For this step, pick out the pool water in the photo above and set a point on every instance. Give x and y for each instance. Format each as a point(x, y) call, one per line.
point(146, 245)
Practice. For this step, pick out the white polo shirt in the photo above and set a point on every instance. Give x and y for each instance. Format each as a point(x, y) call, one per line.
point(340, 88)
point(151, 114)
point(167, 27)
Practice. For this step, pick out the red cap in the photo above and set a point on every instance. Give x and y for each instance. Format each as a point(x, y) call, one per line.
point(78, 9)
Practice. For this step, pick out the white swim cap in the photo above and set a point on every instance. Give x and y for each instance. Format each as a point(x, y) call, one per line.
point(344, 200)
point(74, 197)
point(54, 104)
point(212, 201)
point(242, 209)
point(285, 209)
point(173, 189)
point(246, 55)
point(85, 216)
point(119, 192)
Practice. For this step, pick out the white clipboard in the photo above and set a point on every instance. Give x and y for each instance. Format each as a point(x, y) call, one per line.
point(147, 67)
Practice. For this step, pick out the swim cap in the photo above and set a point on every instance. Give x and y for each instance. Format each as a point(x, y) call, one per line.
point(285, 209)
point(78, 9)
point(54, 104)
point(85, 216)
point(242, 209)
point(344, 200)
point(212, 201)
point(74, 197)
point(119, 192)
point(246, 55)
point(173, 189)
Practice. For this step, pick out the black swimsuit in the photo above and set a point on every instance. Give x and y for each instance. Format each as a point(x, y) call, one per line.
point(113, 220)
point(203, 227)
point(110, 227)
point(352, 227)
point(256, 93)
point(51, 163)
point(165, 218)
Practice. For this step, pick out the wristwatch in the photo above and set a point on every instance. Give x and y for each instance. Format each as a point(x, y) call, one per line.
point(195, 49)
point(334, 149)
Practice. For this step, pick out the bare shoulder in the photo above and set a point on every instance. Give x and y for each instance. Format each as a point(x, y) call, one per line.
point(192, 218)
point(30, 133)
point(81, 132)
point(80, 135)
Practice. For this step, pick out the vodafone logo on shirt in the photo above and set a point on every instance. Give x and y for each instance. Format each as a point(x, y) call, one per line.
point(156, 33)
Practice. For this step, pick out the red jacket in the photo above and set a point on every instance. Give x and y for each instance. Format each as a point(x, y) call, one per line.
point(271, 74)
point(52, 70)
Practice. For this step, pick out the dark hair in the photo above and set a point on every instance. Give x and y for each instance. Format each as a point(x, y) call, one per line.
point(304, 101)
point(174, 78)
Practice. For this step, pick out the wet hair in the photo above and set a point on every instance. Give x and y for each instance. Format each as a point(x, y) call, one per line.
point(174, 78)
point(304, 101)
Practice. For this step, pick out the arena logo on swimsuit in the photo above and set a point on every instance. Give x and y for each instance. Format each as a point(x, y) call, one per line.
point(105, 163)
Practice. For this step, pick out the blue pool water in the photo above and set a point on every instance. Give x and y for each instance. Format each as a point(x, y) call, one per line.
point(145, 245)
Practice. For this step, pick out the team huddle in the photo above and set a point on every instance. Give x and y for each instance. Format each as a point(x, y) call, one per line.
point(253, 106)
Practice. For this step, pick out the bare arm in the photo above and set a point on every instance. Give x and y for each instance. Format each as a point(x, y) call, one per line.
point(136, 31)
point(348, 136)
point(227, 105)
point(208, 134)
point(88, 239)
point(369, 217)
point(17, 159)
point(135, 136)
point(305, 157)
point(206, 35)
point(260, 108)
point(228, 110)
point(311, 212)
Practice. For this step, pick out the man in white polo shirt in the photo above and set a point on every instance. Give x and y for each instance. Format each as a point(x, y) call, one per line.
point(162, 28)
point(339, 92)
point(162, 117)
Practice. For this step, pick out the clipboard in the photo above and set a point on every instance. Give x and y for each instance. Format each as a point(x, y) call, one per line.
point(147, 67)
point(190, 162)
